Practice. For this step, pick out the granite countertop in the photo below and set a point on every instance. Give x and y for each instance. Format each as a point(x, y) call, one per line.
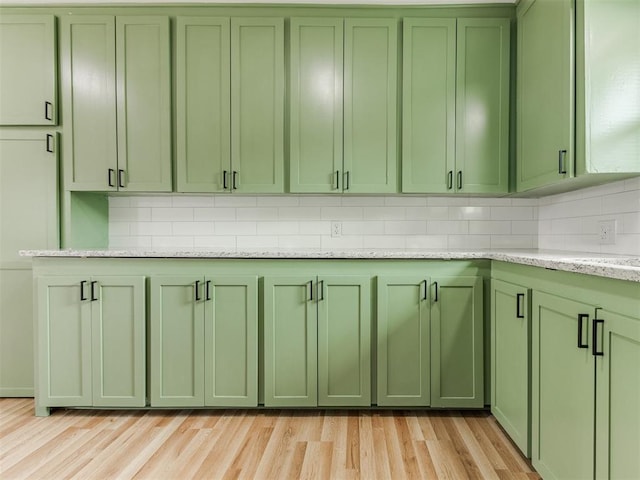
point(610, 266)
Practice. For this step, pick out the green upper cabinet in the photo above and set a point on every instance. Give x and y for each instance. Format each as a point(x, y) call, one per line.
point(343, 71)
point(545, 93)
point(230, 104)
point(457, 340)
point(456, 106)
point(28, 70)
point(117, 103)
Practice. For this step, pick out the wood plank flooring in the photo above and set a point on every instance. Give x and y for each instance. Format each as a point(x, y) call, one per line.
point(258, 444)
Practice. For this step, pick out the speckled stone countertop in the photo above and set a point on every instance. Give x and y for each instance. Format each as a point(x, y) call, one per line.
point(610, 266)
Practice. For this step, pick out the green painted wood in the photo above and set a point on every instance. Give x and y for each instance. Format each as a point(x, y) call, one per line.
point(28, 71)
point(257, 104)
point(118, 332)
point(617, 427)
point(203, 108)
point(545, 92)
point(482, 105)
point(290, 341)
point(28, 194)
point(344, 341)
point(510, 354)
point(88, 63)
point(562, 389)
point(176, 339)
point(457, 342)
point(370, 93)
point(231, 341)
point(63, 342)
point(403, 341)
point(428, 101)
point(316, 96)
point(143, 73)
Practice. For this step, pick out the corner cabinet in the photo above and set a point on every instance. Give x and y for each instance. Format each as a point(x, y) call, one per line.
point(230, 126)
point(117, 103)
point(90, 342)
point(28, 70)
point(343, 110)
point(456, 106)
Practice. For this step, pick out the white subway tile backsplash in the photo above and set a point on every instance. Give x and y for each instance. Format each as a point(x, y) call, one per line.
point(217, 242)
point(150, 228)
point(525, 227)
point(279, 201)
point(320, 200)
point(249, 242)
point(119, 214)
point(255, 214)
point(630, 223)
point(469, 213)
point(236, 228)
point(214, 214)
point(391, 242)
point(469, 242)
point(448, 201)
point(172, 214)
point(299, 242)
point(341, 243)
point(405, 201)
point(442, 227)
point(349, 201)
point(119, 229)
point(406, 227)
point(428, 242)
point(160, 242)
point(513, 241)
point(277, 228)
point(363, 228)
point(490, 227)
point(624, 202)
point(315, 228)
point(192, 201)
point(235, 201)
point(118, 201)
point(341, 213)
point(299, 213)
point(426, 213)
point(383, 213)
point(512, 213)
point(150, 201)
point(193, 228)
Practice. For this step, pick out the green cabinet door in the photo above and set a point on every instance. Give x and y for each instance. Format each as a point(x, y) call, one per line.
point(370, 78)
point(28, 70)
point(562, 388)
point(143, 79)
point(88, 63)
point(545, 93)
point(176, 341)
point(457, 326)
point(118, 341)
point(482, 106)
point(203, 104)
point(63, 342)
point(428, 100)
point(257, 105)
point(403, 341)
point(290, 342)
point(344, 341)
point(617, 396)
point(510, 327)
point(231, 341)
point(316, 82)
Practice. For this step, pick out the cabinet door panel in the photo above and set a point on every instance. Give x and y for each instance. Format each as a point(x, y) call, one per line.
point(144, 103)
point(482, 106)
point(545, 89)
point(27, 70)
point(316, 105)
point(203, 104)
point(562, 410)
point(231, 342)
point(257, 104)
point(403, 342)
point(429, 98)
point(344, 341)
point(64, 342)
point(290, 342)
point(88, 61)
point(370, 76)
point(176, 342)
point(457, 326)
point(618, 397)
point(118, 331)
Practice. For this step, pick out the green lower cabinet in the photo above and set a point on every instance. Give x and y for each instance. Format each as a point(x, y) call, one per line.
point(91, 342)
point(510, 326)
point(203, 341)
point(617, 397)
point(403, 336)
point(457, 340)
point(562, 388)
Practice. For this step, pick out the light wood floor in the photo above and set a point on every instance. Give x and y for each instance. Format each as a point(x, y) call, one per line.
point(271, 444)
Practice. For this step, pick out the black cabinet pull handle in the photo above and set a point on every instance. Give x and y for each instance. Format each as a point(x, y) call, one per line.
point(47, 111)
point(450, 180)
point(594, 351)
point(82, 284)
point(207, 290)
point(93, 291)
point(459, 179)
point(310, 283)
point(110, 173)
point(519, 299)
point(581, 318)
point(347, 182)
point(235, 180)
point(197, 290)
point(49, 143)
point(337, 179)
point(120, 178)
point(562, 169)
point(321, 290)
point(224, 180)
point(426, 287)
point(435, 297)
